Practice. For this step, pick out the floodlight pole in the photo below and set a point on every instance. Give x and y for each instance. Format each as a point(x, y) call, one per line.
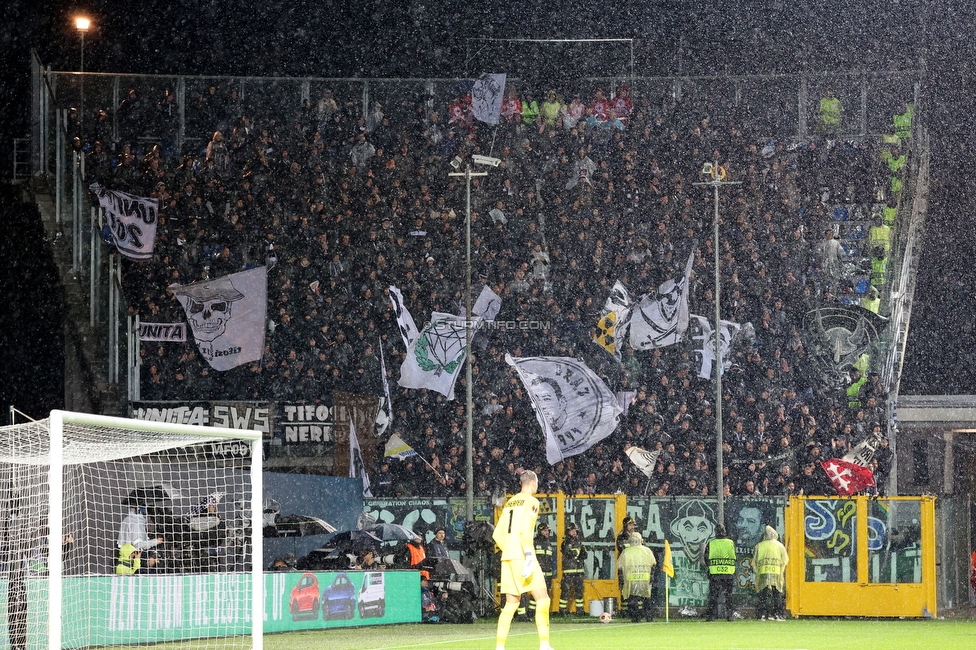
point(469, 430)
point(82, 25)
point(717, 174)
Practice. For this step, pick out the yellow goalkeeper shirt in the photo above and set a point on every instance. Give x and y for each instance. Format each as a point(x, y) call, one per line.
point(515, 532)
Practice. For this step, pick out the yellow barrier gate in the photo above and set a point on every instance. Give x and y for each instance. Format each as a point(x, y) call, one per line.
point(598, 518)
point(861, 556)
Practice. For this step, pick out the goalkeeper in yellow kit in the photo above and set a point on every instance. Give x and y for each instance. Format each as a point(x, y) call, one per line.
point(521, 573)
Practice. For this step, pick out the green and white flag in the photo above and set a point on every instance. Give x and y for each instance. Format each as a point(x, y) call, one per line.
point(435, 357)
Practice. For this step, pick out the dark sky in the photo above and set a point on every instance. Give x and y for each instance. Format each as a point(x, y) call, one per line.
point(426, 38)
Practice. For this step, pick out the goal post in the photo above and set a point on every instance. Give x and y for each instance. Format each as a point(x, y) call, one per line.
point(184, 564)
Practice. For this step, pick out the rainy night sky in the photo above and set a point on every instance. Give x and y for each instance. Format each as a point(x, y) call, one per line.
point(417, 38)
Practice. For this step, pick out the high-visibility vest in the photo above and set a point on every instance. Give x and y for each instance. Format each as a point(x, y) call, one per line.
point(830, 111)
point(903, 122)
point(721, 557)
point(879, 271)
point(530, 111)
point(889, 215)
point(879, 236)
point(871, 305)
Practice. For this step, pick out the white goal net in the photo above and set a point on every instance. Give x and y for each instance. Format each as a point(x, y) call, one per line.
point(119, 533)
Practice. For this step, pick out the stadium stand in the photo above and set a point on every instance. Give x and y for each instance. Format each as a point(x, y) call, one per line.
point(592, 189)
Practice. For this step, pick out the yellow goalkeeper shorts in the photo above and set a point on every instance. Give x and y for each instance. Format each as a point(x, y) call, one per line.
point(512, 581)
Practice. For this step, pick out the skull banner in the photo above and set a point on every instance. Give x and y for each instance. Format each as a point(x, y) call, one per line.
point(227, 316)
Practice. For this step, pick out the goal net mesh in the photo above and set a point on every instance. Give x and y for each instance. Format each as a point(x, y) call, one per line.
point(155, 538)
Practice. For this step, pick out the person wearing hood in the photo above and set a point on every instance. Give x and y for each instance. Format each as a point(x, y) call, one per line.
point(769, 558)
point(636, 565)
point(130, 560)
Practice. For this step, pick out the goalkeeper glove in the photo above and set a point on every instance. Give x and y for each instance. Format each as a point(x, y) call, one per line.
point(527, 569)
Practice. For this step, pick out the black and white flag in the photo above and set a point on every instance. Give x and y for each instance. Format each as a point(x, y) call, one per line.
point(706, 350)
point(132, 220)
point(487, 94)
point(661, 319)
point(436, 356)
point(863, 453)
point(574, 407)
point(643, 459)
point(357, 468)
point(408, 329)
point(227, 316)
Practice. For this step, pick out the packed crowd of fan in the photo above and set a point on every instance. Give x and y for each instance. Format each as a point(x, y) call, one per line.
point(340, 206)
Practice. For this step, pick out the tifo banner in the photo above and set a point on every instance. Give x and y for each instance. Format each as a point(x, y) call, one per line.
point(219, 604)
point(132, 220)
point(166, 332)
point(435, 358)
point(303, 422)
point(228, 316)
point(486, 97)
point(230, 415)
point(424, 516)
point(687, 524)
point(573, 406)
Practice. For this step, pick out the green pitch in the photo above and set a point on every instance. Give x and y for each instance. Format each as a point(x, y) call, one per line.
point(805, 634)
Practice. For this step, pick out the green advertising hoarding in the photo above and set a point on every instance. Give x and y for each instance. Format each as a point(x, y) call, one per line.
point(116, 610)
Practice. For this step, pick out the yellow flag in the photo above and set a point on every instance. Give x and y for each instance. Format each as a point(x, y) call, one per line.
point(667, 566)
point(604, 334)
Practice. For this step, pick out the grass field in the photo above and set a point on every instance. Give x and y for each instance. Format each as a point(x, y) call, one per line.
point(806, 634)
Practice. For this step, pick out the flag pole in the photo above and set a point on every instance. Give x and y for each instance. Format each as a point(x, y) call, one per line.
point(667, 598)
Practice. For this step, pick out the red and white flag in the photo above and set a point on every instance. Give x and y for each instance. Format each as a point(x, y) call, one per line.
point(847, 477)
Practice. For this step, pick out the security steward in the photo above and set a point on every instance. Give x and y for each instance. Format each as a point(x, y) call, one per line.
point(543, 553)
point(721, 573)
point(574, 556)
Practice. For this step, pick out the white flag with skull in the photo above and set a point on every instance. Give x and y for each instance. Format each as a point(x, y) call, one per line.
point(574, 407)
point(661, 320)
point(705, 335)
point(436, 356)
point(227, 316)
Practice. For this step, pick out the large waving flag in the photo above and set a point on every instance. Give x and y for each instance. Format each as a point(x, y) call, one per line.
point(397, 448)
point(863, 453)
point(661, 320)
point(132, 220)
point(574, 407)
point(435, 358)
point(706, 335)
point(487, 94)
point(408, 329)
point(227, 316)
point(847, 477)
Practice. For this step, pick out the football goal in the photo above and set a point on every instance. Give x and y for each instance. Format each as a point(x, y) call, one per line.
point(118, 532)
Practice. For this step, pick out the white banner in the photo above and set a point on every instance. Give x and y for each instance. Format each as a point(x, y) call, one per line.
point(487, 305)
point(574, 407)
point(132, 220)
point(435, 358)
point(707, 339)
point(487, 94)
point(662, 319)
point(166, 332)
point(357, 468)
point(227, 316)
point(408, 329)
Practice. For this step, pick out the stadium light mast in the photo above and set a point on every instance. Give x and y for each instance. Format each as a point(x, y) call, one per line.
point(717, 174)
point(469, 429)
point(82, 24)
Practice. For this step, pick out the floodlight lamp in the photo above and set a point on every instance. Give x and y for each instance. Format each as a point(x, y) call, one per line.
point(82, 24)
point(456, 162)
point(486, 160)
point(707, 169)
